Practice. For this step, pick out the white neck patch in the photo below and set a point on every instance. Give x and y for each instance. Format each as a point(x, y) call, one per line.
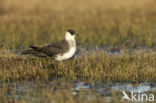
point(69, 53)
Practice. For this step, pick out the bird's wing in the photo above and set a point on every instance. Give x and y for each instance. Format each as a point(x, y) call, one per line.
point(55, 48)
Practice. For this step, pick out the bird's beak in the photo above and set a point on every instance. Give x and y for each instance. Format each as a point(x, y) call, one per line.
point(77, 34)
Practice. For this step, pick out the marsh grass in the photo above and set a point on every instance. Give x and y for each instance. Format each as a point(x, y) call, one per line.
point(96, 67)
point(115, 23)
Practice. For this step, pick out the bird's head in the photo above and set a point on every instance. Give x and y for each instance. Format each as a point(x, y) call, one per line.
point(70, 35)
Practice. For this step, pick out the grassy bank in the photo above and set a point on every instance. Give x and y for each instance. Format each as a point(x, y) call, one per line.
point(95, 67)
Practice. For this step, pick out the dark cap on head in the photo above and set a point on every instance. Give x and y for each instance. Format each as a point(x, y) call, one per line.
point(72, 32)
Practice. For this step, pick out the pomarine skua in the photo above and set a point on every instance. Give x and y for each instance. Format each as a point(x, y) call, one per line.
point(61, 50)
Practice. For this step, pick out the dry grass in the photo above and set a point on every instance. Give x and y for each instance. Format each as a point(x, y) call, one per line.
point(96, 67)
point(129, 23)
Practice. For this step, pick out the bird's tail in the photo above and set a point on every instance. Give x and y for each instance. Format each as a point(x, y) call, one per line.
point(33, 50)
point(34, 47)
point(29, 52)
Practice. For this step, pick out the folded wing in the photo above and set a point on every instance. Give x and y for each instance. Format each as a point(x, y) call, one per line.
point(50, 50)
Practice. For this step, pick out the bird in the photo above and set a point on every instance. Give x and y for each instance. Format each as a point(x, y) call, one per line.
point(59, 51)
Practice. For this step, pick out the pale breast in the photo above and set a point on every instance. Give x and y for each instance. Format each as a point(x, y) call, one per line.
point(66, 55)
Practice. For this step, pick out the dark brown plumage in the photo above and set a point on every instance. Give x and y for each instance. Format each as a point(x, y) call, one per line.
point(50, 50)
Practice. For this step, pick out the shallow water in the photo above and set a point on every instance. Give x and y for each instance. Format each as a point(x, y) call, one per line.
point(90, 49)
point(106, 89)
point(25, 89)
